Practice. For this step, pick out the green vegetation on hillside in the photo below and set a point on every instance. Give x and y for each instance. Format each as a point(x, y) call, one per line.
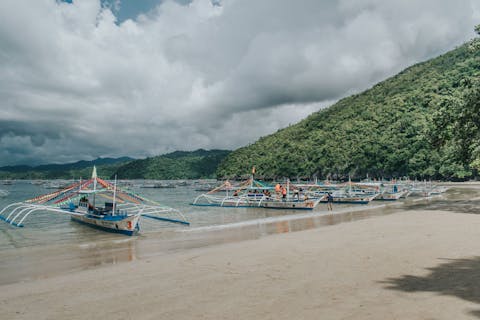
point(423, 122)
point(175, 165)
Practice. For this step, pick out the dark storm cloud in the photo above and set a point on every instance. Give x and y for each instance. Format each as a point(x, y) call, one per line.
point(76, 83)
point(36, 132)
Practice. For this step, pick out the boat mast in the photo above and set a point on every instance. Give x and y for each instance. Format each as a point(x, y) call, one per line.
point(114, 194)
point(253, 173)
point(349, 185)
point(94, 177)
point(288, 189)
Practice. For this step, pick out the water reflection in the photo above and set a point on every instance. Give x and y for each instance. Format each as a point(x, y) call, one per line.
point(282, 227)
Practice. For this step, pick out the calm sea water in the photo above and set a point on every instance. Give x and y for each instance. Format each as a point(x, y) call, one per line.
point(51, 243)
point(46, 228)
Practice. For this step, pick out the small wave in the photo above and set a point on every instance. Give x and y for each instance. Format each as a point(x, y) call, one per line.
point(87, 245)
point(122, 240)
point(291, 217)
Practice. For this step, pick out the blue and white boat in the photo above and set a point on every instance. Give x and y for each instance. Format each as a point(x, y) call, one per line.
point(120, 212)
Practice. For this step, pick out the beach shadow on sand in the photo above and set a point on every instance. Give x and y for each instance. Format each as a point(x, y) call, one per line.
point(456, 277)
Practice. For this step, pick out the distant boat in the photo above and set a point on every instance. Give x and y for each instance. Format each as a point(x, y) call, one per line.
point(426, 189)
point(54, 185)
point(391, 196)
point(120, 212)
point(392, 192)
point(350, 198)
point(158, 185)
point(203, 188)
point(343, 193)
point(37, 182)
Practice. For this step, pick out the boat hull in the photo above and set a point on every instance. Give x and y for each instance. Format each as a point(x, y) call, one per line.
point(267, 204)
point(126, 225)
point(349, 200)
point(295, 205)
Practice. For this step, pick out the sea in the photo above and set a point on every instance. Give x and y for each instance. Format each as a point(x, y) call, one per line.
point(50, 243)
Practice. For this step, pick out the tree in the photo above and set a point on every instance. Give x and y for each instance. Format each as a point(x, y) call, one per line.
point(462, 150)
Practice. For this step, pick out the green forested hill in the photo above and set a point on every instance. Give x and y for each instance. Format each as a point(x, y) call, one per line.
point(175, 165)
point(408, 125)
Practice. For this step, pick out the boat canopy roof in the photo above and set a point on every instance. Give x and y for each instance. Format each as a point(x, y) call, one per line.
point(77, 190)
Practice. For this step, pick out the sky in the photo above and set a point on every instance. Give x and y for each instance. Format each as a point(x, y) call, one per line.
point(84, 79)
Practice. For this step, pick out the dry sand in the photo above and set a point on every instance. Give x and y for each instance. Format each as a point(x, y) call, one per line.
point(408, 265)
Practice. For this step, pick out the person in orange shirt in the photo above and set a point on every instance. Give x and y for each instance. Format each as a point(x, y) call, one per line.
point(278, 190)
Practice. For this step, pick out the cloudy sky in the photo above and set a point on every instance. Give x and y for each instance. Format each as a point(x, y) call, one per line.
point(87, 78)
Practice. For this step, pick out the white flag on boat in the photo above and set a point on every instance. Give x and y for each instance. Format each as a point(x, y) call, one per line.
point(94, 177)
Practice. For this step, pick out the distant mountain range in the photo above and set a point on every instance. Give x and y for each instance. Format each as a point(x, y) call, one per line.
point(66, 166)
point(176, 165)
point(75, 170)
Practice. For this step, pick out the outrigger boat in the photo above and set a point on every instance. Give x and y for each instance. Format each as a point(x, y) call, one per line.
point(345, 193)
point(345, 197)
point(392, 192)
point(254, 193)
point(120, 213)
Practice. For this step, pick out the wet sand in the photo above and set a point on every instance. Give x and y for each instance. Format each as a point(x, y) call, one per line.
point(58, 257)
point(413, 264)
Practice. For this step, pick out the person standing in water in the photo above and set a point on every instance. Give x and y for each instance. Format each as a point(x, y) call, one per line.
point(329, 202)
point(284, 193)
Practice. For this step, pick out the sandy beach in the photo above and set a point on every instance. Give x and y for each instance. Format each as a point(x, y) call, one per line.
point(408, 265)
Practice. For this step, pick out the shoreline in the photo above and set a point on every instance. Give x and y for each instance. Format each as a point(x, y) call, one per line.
point(40, 262)
point(415, 264)
point(418, 255)
point(314, 214)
